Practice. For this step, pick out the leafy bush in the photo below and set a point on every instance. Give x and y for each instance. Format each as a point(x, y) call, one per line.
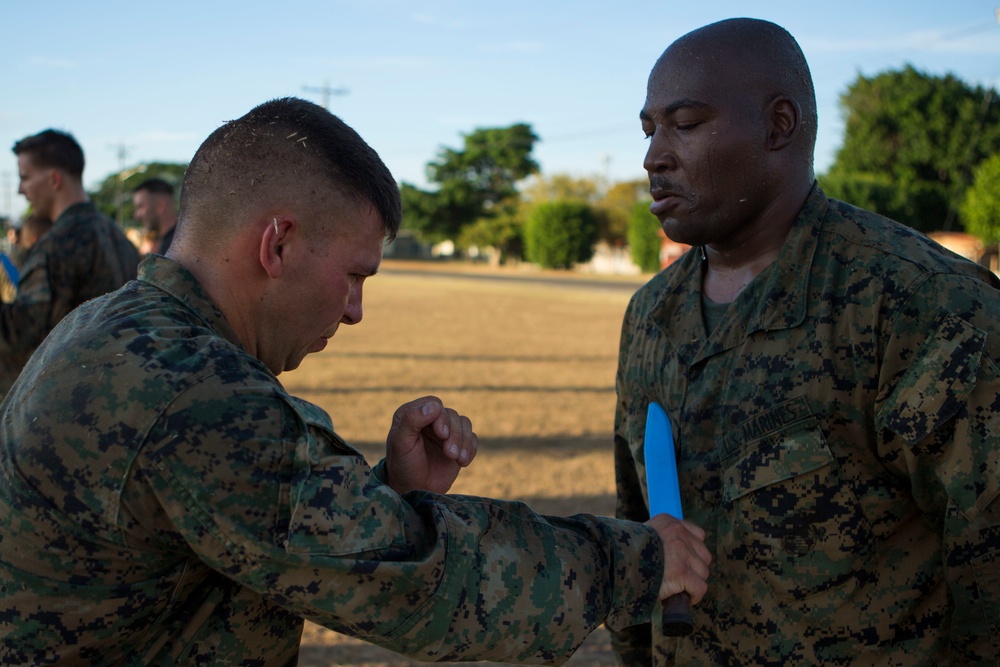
point(558, 234)
point(644, 237)
point(981, 207)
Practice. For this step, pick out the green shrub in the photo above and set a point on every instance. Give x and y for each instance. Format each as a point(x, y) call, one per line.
point(981, 207)
point(644, 237)
point(558, 234)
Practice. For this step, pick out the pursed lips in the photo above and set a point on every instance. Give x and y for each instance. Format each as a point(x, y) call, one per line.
point(663, 200)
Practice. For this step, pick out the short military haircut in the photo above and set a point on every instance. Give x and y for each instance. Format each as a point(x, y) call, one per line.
point(285, 146)
point(155, 186)
point(52, 149)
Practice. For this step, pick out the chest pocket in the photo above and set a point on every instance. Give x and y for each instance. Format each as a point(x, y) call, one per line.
point(792, 516)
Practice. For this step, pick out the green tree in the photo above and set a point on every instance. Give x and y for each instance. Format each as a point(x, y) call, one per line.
point(560, 187)
point(564, 187)
point(471, 184)
point(617, 205)
point(981, 207)
point(502, 233)
point(645, 237)
point(114, 195)
point(612, 206)
point(558, 234)
point(911, 141)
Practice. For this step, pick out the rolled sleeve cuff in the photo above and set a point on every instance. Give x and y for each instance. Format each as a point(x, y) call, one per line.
point(636, 570)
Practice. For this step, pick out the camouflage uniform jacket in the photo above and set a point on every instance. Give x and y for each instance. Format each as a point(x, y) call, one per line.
point(838, 438)
point(164, 501)
point(83, 256)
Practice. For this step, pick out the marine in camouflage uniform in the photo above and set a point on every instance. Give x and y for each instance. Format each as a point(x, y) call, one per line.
point(838, 427)
point(838, 438)
point(182, 508)
point(83, 256)
point(164, 501)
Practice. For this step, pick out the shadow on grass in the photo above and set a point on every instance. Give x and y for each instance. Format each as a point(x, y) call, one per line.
point(526, 358)
point(323, 648)
point(438, 388)
point(575, 444)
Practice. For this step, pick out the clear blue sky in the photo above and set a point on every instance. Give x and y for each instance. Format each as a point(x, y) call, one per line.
point(157, 78)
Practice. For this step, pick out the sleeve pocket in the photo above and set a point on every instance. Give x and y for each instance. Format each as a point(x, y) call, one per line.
point(938, 381)
point(338, 507)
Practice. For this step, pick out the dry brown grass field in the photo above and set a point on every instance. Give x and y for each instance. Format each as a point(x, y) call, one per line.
point(528, 355)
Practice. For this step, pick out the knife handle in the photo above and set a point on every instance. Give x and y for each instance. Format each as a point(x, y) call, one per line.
point(677, 621)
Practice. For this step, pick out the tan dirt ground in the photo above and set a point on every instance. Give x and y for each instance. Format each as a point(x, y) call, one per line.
point(530, 356)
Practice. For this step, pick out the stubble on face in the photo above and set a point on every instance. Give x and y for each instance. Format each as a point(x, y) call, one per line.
point(704, 172)
point(328, 285)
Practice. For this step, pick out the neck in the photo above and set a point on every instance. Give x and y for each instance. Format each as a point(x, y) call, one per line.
point(733, 263)
point(723, 280)
point(68, 199)
point(226, 284)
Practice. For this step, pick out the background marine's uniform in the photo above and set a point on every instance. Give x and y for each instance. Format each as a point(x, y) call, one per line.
point(83, 256)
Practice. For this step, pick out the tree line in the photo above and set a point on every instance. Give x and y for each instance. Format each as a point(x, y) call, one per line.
point(919, 148)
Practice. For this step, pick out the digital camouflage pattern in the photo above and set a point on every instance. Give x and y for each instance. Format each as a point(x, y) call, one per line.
point(164, 501)
point(83, 256)
point(838, 439)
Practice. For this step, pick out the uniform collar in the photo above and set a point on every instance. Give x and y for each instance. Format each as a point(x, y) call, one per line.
point(73, 210)
point(776, 299)
point(173, 278)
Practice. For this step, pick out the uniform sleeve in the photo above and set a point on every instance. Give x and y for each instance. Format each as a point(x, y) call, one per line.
point(633, 645)
point(295, 514)
point(939, 420)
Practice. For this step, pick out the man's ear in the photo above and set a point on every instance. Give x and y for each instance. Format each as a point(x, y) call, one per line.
point(272, 244)
point(785, 116)
point(55, 179)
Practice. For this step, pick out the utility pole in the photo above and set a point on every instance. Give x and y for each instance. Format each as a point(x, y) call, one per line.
point(326, 91)
point(123, 174)
point(7, 200)
point(119, 191)
point(606, 185)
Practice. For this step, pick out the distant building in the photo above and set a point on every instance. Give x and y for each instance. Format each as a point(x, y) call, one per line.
point(406, 246)
point(968, 246)
point(610, 260)
point(670, 251)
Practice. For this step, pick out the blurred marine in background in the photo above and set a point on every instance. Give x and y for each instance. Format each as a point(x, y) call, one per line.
point(83, 256)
